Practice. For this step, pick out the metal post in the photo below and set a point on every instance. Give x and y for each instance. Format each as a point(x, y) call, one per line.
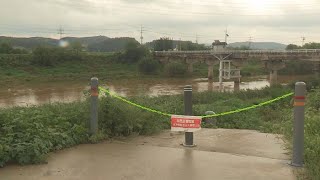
point(220, 75)
point(298, 124)
point(188, 111)
point(94, 105)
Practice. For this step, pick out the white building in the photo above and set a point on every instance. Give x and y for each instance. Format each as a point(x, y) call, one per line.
point(218, 46)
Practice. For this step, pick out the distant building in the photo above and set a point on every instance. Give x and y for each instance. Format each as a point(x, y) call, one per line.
point(218, 46)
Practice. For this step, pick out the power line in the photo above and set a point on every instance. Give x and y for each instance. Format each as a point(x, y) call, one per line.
point(175, 10)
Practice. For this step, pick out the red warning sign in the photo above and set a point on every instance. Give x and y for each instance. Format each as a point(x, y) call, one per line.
point(185, 123)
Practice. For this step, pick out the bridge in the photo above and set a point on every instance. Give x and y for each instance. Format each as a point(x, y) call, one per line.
point(231, 61)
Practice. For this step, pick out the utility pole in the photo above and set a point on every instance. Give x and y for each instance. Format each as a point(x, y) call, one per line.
point(226, 35)
point(303, 39)
point(141, 35)
point(60, 32)
point(196, 38)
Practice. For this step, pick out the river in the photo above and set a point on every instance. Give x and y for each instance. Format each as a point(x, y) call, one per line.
point(49, 92)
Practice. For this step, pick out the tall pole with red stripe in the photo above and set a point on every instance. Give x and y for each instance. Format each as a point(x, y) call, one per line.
point(298, 124)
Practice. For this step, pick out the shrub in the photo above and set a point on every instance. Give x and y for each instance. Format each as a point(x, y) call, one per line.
point(27, 134)
point(148, 66)
point(314, 100)
point(120, 119)
point(175, 69)
point(49, 56)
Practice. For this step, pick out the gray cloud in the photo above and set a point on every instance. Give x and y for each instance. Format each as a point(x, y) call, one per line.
point(280, 21)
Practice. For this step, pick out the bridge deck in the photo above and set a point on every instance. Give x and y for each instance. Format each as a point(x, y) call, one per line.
point(242, 51)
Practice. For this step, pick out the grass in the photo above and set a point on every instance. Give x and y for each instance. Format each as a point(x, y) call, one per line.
point(19, 69)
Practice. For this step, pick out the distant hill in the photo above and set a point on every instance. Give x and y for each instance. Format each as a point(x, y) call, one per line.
point(259, 45)
point(86, 41)
point(28, 43)
point(94, 43)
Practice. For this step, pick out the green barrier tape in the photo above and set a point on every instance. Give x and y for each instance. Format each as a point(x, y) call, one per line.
point(250, 107)
point(206, 116)
point(134, 104)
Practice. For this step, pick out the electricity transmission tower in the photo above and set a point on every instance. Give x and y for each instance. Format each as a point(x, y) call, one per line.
point(141, 35)
point(303, 40)
point(61, 32)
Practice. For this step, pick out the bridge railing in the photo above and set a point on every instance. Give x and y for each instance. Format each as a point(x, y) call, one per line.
point(240, 51)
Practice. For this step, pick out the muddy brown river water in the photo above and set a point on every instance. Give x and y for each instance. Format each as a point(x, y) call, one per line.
point(35, 94)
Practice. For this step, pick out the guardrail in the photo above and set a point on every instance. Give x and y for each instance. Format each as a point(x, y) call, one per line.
point(240, 51)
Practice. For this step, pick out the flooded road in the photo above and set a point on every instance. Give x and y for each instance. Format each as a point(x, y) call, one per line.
point(220, 154)
point(35, 94)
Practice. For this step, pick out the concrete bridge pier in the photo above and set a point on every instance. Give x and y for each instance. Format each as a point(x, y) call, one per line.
point(274, 66)
point(237, 64)
point(273, 77)
point(210, 64)
point(237, 84)
point(190, 63)
point(164, 60)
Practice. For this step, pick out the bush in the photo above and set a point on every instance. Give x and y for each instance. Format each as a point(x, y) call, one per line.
point(120, 119)
point(175, 69)
point(49, 56)
point(27, 134)
point(148, 66)
point(133, 53)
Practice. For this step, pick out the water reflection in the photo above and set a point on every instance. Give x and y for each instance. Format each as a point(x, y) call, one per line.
point(34, 94)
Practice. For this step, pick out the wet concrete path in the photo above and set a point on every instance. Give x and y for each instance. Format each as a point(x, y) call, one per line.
point(220, 154)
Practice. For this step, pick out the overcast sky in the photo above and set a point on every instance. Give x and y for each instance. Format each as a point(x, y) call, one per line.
point(285, 21)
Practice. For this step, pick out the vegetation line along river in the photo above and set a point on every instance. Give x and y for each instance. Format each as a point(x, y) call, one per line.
point(68, 91)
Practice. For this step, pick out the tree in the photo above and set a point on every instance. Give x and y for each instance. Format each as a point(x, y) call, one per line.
point(133, 52)
point(292, 46)
point(312, 45)
point(163, 44)
point(6, 48)
point(50, 56)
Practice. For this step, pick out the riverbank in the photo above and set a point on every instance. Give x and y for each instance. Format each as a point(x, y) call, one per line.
point(29, 133)
point(19, 69)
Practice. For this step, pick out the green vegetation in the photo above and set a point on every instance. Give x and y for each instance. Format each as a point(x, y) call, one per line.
point(311, 45)
point(148, 66)
point(92, 44)
point(6, 48)
point(132, 53)
point(163, 44)
point(44, 56)
point(175, 69)
point(71, 62)
point(167, 44)
point(27, 134)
